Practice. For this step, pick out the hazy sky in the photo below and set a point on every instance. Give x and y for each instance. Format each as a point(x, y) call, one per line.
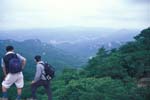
point(18, 14)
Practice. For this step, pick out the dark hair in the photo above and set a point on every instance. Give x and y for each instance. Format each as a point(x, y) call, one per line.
point(37, 58)
point(9, 48)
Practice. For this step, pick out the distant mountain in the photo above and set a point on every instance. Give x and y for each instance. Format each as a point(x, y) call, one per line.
point(86, 49)
point(81, 43)
point(88, 45)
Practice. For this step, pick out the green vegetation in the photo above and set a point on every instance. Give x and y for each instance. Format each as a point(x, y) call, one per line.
point(110, 75)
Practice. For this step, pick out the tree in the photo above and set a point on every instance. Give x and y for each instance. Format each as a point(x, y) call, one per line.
point(144, 39)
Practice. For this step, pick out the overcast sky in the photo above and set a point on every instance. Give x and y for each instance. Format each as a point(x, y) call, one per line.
point(26, 14)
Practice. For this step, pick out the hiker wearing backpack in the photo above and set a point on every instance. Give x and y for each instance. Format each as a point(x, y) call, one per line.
point(40, 79)
point(12, 65)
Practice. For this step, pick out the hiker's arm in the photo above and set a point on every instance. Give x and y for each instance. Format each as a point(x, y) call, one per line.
point(23, 63)
point(23, 59)
point(3, 67)
point(4, 71)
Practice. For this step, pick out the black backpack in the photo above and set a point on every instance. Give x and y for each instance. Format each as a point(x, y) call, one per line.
point(49, 71)
point(13, 63)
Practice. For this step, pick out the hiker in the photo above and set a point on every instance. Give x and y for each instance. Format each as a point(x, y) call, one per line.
point(40, 79)
point(12, 65)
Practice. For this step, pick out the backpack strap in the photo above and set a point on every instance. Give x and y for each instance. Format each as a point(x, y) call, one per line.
point(41, 64)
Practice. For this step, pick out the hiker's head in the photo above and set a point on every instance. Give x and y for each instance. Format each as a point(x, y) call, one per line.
point(9, 48)
point(37, 58)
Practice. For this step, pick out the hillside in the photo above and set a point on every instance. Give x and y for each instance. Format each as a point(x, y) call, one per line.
point(113, 75)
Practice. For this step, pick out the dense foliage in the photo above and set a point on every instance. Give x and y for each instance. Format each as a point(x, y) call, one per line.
point(110, 75)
